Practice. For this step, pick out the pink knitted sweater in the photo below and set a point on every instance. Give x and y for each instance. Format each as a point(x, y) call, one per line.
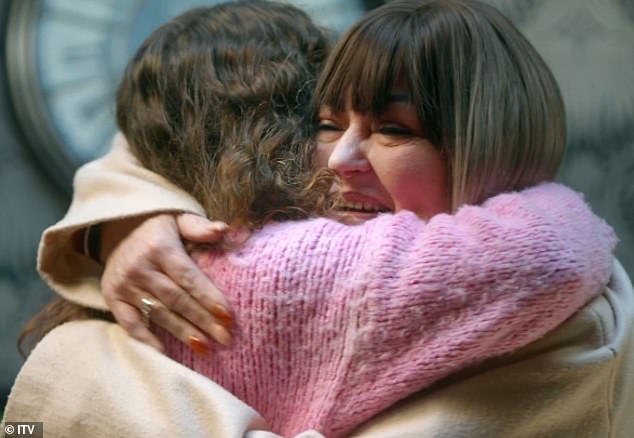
point(336, 323)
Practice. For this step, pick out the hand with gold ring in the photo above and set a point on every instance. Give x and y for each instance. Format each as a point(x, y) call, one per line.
point(149, 276)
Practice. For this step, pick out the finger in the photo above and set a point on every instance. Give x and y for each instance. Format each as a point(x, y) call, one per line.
point(188, 276)
point(191, 310)
point(130, 319)
point(200, 229)
point(181, 329)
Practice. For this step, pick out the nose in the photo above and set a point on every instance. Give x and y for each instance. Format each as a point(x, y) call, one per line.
point(349, 154)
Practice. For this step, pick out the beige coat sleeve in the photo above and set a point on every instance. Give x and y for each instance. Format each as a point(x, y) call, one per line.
point(113, 187)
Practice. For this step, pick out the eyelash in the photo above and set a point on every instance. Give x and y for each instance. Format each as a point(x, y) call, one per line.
point(391, 129)
point(327, 127)
point(394, 130)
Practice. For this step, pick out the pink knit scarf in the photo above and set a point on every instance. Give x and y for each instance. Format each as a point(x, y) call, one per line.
point(336, 323)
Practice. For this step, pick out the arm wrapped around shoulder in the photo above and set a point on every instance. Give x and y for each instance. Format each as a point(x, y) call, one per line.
point(339, 319)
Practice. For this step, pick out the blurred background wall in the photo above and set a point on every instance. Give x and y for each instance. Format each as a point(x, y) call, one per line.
point(588, 44)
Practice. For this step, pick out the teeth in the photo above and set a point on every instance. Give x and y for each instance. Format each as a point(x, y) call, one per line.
point(361, 206)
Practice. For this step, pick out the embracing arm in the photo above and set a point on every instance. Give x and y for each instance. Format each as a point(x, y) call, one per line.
point(411, 302)
point(482, 282)
point(110, 188)
point(139, 215)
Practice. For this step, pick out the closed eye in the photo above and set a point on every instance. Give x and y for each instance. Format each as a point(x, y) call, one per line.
point(328, 131)
point(397, 130)
point(326, 125)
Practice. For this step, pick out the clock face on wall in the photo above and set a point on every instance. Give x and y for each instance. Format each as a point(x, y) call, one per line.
point(65, 58)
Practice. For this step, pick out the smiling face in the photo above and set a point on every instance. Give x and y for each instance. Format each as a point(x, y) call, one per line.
point(384, 163)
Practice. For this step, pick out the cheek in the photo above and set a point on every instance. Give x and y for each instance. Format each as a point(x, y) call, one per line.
point(322, 153)
point(417, 181)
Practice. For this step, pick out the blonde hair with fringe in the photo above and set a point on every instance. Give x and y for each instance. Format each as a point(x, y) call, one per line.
point(484, 95)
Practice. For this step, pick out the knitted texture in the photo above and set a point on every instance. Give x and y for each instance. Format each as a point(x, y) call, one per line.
point(335, 323)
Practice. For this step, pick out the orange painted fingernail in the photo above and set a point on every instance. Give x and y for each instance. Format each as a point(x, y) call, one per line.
point(222, 315)
point(221, 334)
point(198, 345)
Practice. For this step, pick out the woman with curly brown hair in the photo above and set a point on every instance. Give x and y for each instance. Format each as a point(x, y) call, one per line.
point(335, 323)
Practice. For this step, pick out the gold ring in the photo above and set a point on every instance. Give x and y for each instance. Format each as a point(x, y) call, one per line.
point(147, 307)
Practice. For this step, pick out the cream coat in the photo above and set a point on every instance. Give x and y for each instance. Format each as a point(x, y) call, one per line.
point(88, 378)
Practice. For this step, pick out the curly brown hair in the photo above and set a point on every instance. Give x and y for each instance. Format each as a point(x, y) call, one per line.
point(217, 101)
